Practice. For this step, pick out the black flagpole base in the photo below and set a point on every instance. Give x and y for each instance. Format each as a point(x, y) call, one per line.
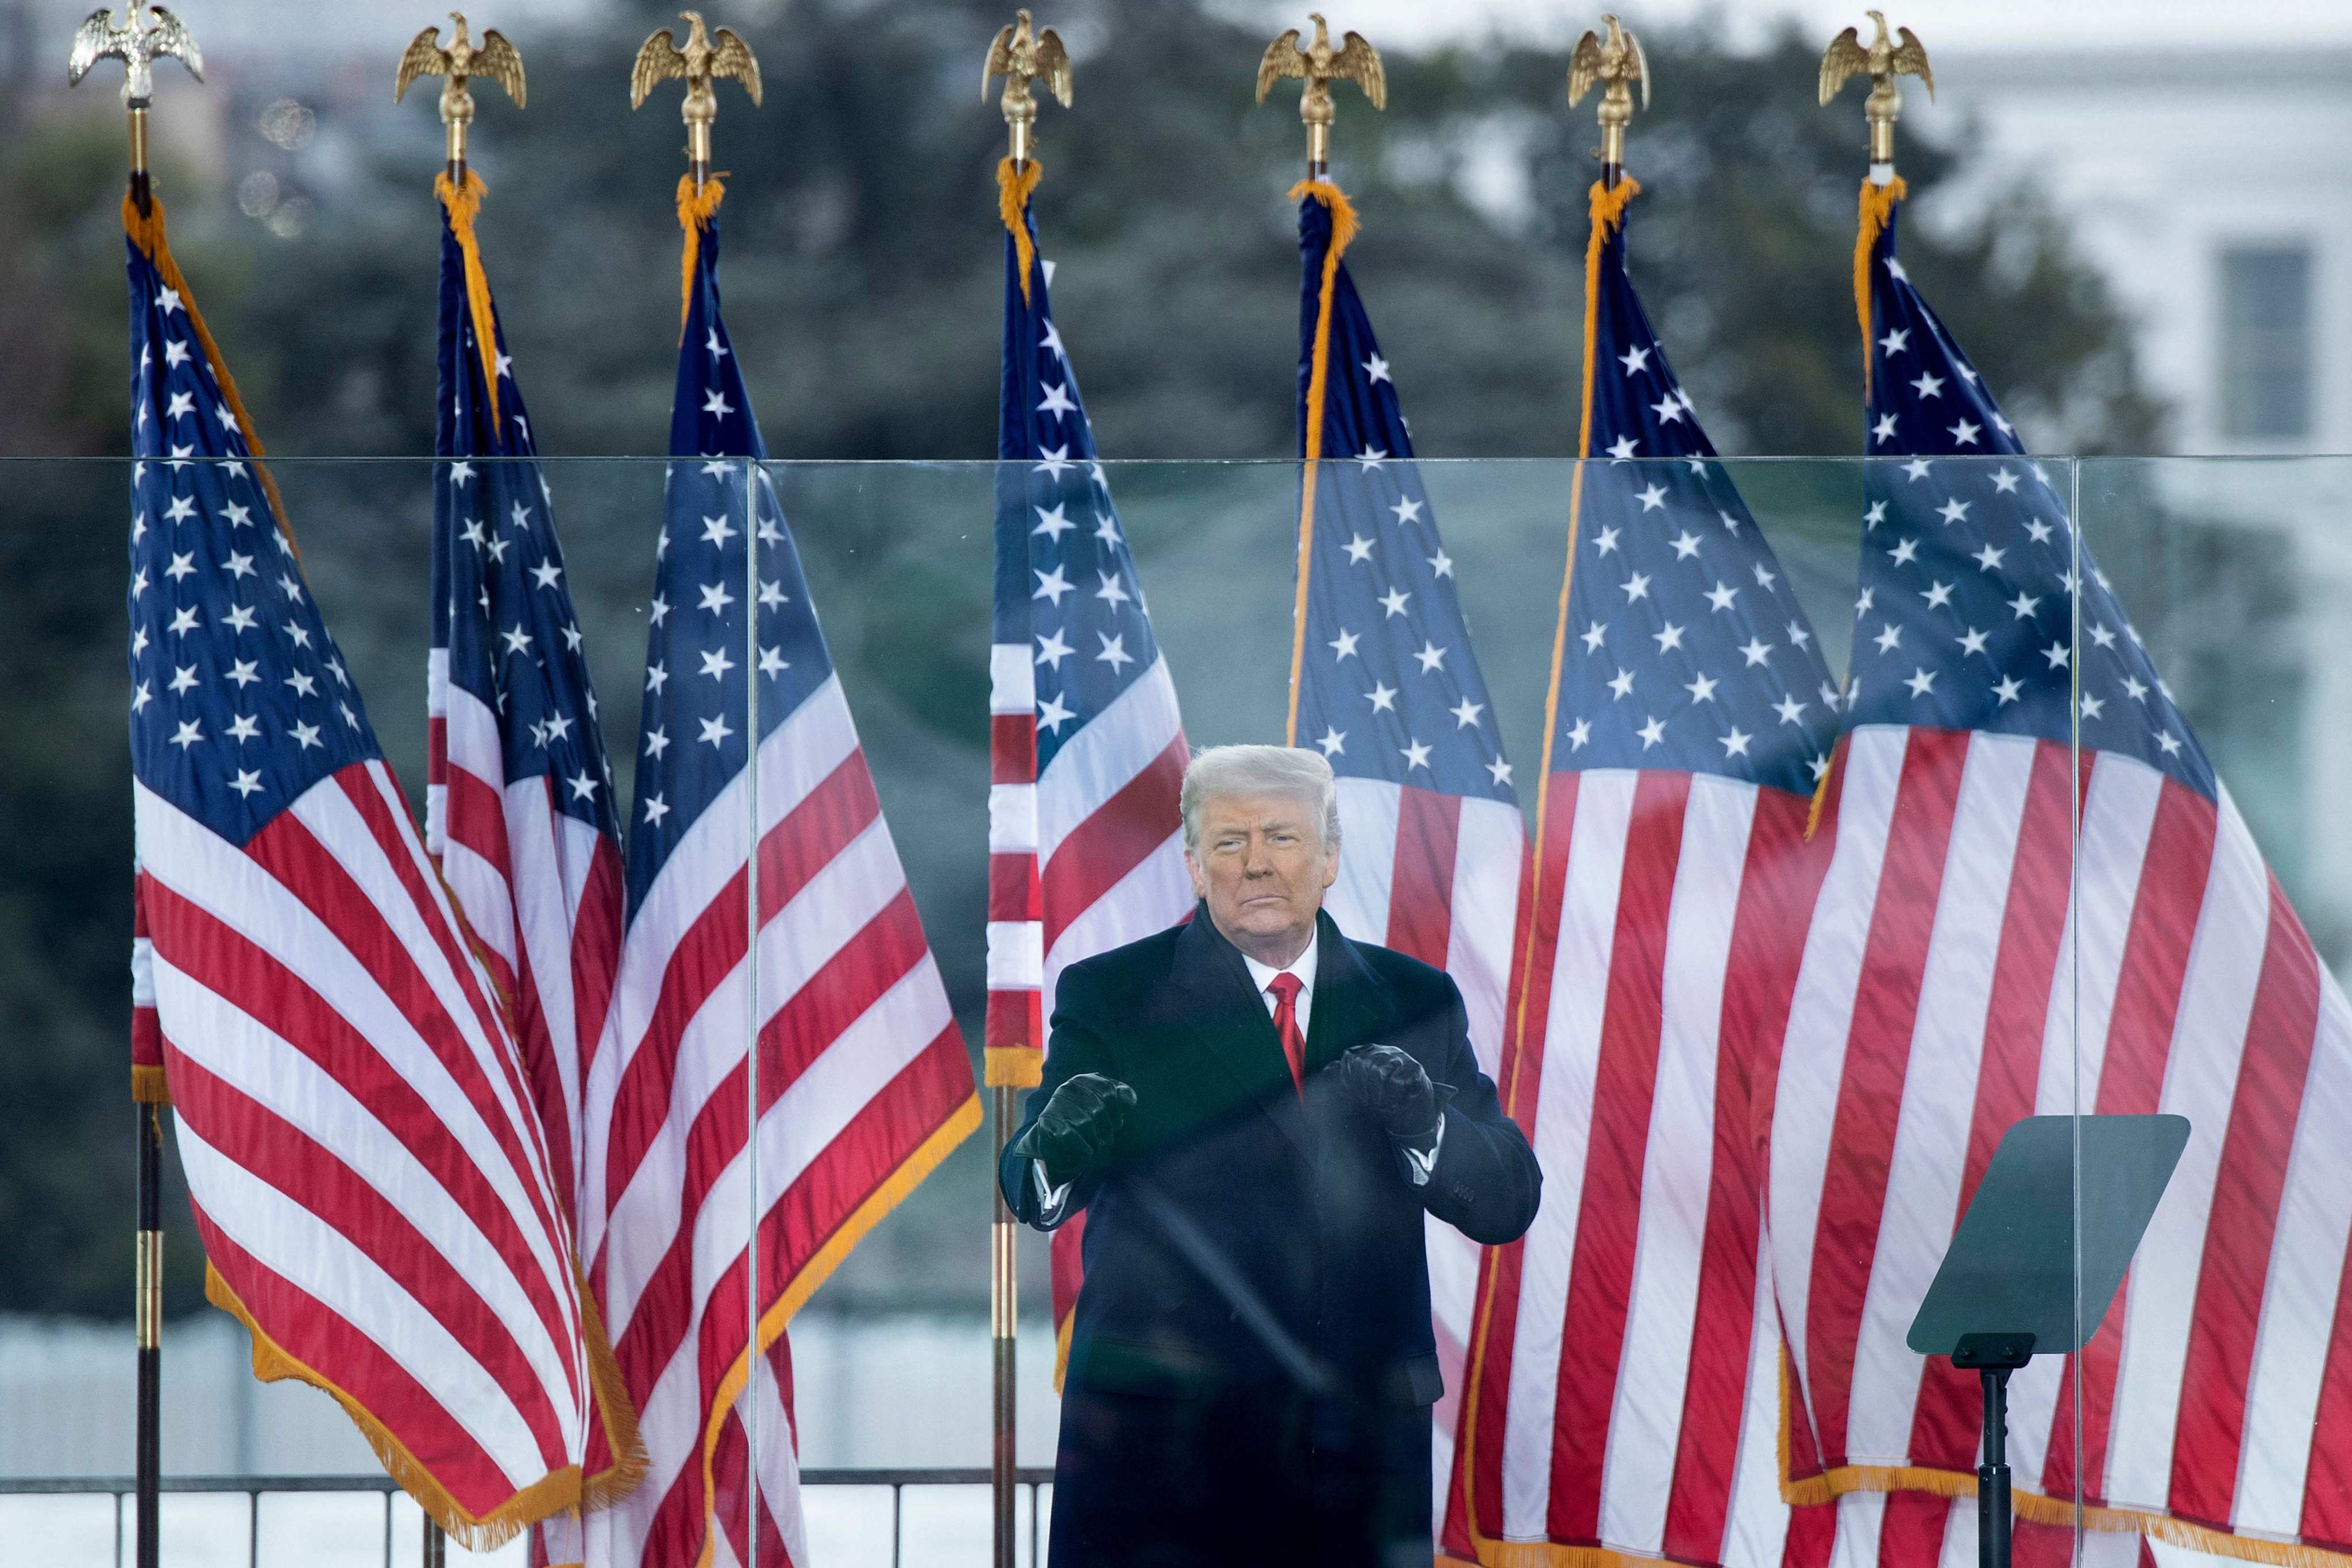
point(148, 1447)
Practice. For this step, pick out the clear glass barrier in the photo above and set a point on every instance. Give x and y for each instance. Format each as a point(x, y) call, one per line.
point(1728, 998)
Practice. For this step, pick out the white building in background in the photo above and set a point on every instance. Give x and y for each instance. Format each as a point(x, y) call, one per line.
point(2214, 190)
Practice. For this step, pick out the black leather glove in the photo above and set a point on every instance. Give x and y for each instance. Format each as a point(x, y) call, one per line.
point(1074, 1132)
point(1391, 1087)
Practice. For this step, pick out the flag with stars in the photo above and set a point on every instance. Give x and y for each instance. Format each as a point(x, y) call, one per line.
point(1383, 681)
point(1963, 970)
point(1624, 1387)
point(1086, 747)
point(859, 1085)
point(519, 795)
point(519, 798)
point(375, 1191)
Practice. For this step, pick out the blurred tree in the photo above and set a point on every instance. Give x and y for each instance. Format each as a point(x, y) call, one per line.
point(863, 277)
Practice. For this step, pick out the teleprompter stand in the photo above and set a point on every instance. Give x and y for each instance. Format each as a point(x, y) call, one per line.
point(2036, 1262)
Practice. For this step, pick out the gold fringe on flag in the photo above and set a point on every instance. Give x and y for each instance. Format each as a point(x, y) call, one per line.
point(695, 208)
point(1846, 1480)
point(1062, 1348)
point(1014, 183)
point(1820, 803)
point(1012, 1067)
point(614, 1409)
point(1549, 1555)
point(566, 1490)
point(549, 1495)
point(1877, 205)
point(148, 1086)
point(146, 232)
point(1876, 210)
point(1343, 230)
point(463, 207)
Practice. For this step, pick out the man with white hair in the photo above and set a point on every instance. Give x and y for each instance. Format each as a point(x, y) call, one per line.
point(1255, 1110)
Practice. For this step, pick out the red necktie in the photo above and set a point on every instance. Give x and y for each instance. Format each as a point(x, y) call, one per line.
point(1286, 987)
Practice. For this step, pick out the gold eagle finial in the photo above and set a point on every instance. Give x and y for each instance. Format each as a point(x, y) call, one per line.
point(1615, 66)
point(1021, 59)
point(1883, 61)
point(710, 53)
point(1320, 64)
point(494, 59)
point(146, 35)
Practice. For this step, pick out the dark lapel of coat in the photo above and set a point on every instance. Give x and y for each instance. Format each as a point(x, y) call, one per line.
point(1236, 1034)
point(1347, 1008)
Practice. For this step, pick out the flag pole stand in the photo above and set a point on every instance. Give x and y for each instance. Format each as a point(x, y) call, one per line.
point(1003, 1320)
point(147, 1446)
point(141, 37)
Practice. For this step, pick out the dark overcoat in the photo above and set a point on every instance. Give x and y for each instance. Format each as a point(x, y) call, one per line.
point(1251, 1364)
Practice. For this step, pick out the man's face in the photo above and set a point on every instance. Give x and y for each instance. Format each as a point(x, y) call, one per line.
point(1262, 865)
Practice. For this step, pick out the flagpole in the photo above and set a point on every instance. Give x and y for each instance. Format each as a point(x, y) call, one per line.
point(1022, 58)
point(1003, 1235)
point(708, 54)
point(148, 1447)
point(495, 59)
point(138, 41)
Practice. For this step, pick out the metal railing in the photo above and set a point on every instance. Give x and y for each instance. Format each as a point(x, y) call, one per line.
point(254, 1488)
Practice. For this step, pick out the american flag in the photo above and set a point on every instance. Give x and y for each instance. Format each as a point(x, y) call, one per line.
point(518, 799)
point(376, 1198)
point(1624, 1387)
point(1085, 750)
point(1385, 683)
point(861, 1083)
point(1950, 985)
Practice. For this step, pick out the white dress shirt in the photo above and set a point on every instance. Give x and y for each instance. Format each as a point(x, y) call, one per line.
point(1262, 976)
point(1418, 1165)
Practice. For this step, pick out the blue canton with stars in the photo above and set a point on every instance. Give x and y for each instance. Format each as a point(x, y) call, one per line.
point(703, 656)
point(239, 700)
point(501, 603)
point(1969, 569)
point(1685, 648)
point(1389, 687)
point(1066, 581)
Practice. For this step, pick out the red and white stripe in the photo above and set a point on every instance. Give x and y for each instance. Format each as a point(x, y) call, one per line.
point(1626, 1364)
point(146, 1032)
point(366, 1167)
point(861, 1070)
point(540, 891)
point(1088, 857)
point(1016, 932)
point(1949, 987)
point(1438, 877)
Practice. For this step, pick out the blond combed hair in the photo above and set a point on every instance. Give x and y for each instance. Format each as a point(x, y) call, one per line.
point(1260, 770)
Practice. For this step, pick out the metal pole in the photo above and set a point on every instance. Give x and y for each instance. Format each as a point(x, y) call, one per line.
point(142, 191)
point(437, 1546)
point(148, 1461)
point(1992, 1476)
point(1003, 1319)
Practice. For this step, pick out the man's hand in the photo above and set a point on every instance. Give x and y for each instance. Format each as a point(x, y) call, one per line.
point(1075, 1131)
point(1393, 1089)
